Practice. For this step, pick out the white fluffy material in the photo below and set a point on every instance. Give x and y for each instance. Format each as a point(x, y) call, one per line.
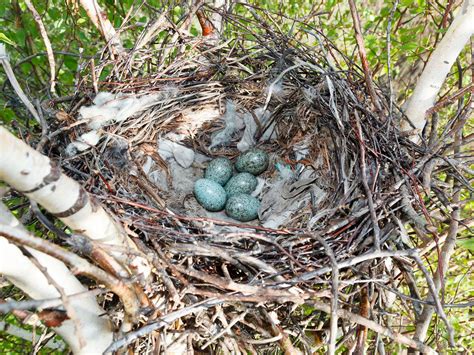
point(108, 108)
point(233, 123)
point(168, 149)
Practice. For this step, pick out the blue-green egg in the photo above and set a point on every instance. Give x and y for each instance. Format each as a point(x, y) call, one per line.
point(242, 207)
point(254, 161)
point(219, 170)
point(243, 183)
point(210, 195)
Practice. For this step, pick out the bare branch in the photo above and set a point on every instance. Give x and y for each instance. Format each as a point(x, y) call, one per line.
point(16, 86)
point(47, 43)
point(100, 20)
point(79, 265)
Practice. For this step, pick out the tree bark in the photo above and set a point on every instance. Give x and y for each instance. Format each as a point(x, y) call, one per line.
point(438, 67)
point(37, 177)
point(100, 20)
point(94, 328)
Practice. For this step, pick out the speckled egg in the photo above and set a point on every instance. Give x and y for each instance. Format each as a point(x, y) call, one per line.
point(243, 183)
point(254, 161)
point(242, 207)
point(219, 170)
point(210, 195)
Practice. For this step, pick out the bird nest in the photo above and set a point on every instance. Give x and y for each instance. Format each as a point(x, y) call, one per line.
point(335, 201)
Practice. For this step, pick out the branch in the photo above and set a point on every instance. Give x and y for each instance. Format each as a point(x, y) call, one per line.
point(397, 337)
point(79, 265)
point(27, 335)
point(14, 83)
point(334, 301)
point(47, 43)
point(363, 55)
point(21, 272)
point(447, 250)
point(102, 23)
point(438, 67)
point(37, 177)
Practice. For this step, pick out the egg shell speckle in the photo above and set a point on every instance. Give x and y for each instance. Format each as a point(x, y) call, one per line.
point(210, 195)
point(242, 207)
point(254, 161)
point(219, 170)
point(243, 183)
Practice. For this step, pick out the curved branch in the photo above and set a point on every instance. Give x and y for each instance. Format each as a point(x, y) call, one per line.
point(20, 271)
point(36, 176)
point(47, 43)
point(78, 264)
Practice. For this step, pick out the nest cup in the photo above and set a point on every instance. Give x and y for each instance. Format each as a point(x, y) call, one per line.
point(335, 163)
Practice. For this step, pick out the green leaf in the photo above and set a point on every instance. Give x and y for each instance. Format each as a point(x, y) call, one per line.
point(466, 243)
point(5, 39)
point(71, 63)
point(411, 46)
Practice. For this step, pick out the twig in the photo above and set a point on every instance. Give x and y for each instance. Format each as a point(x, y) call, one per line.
point(47, 43)
point(102, 23)
point(351, 262)
point(71, 313)
point(9, 306)
point(434, 290)
point(285, 342)
point(389, 59)
point(225, 284)
point(397, 337)
point(446, 251)
point(370, 200)
point(16, 86)
point(334, 300)
point(162, 322)
point(27, 335)
point(363, 56)
point(234, 321)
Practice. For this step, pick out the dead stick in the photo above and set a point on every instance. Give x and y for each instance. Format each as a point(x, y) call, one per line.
point(397, 337)
point(363, 55)
point(47, 44)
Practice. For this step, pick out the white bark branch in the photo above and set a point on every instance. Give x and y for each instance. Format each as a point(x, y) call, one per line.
point(438, 67)
point(21, 272)
point(38, 178)
point(100, 20)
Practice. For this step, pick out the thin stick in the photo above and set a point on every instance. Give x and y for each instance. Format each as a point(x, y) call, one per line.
point(162, 322)
point(370, 200)
point(47, 43)
point(334, 300)
point(71, 312)
point(16, 86)
point(434, 296)
point(397, 337)
point(351, 262)
point(363, 55)
point(9, 306)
